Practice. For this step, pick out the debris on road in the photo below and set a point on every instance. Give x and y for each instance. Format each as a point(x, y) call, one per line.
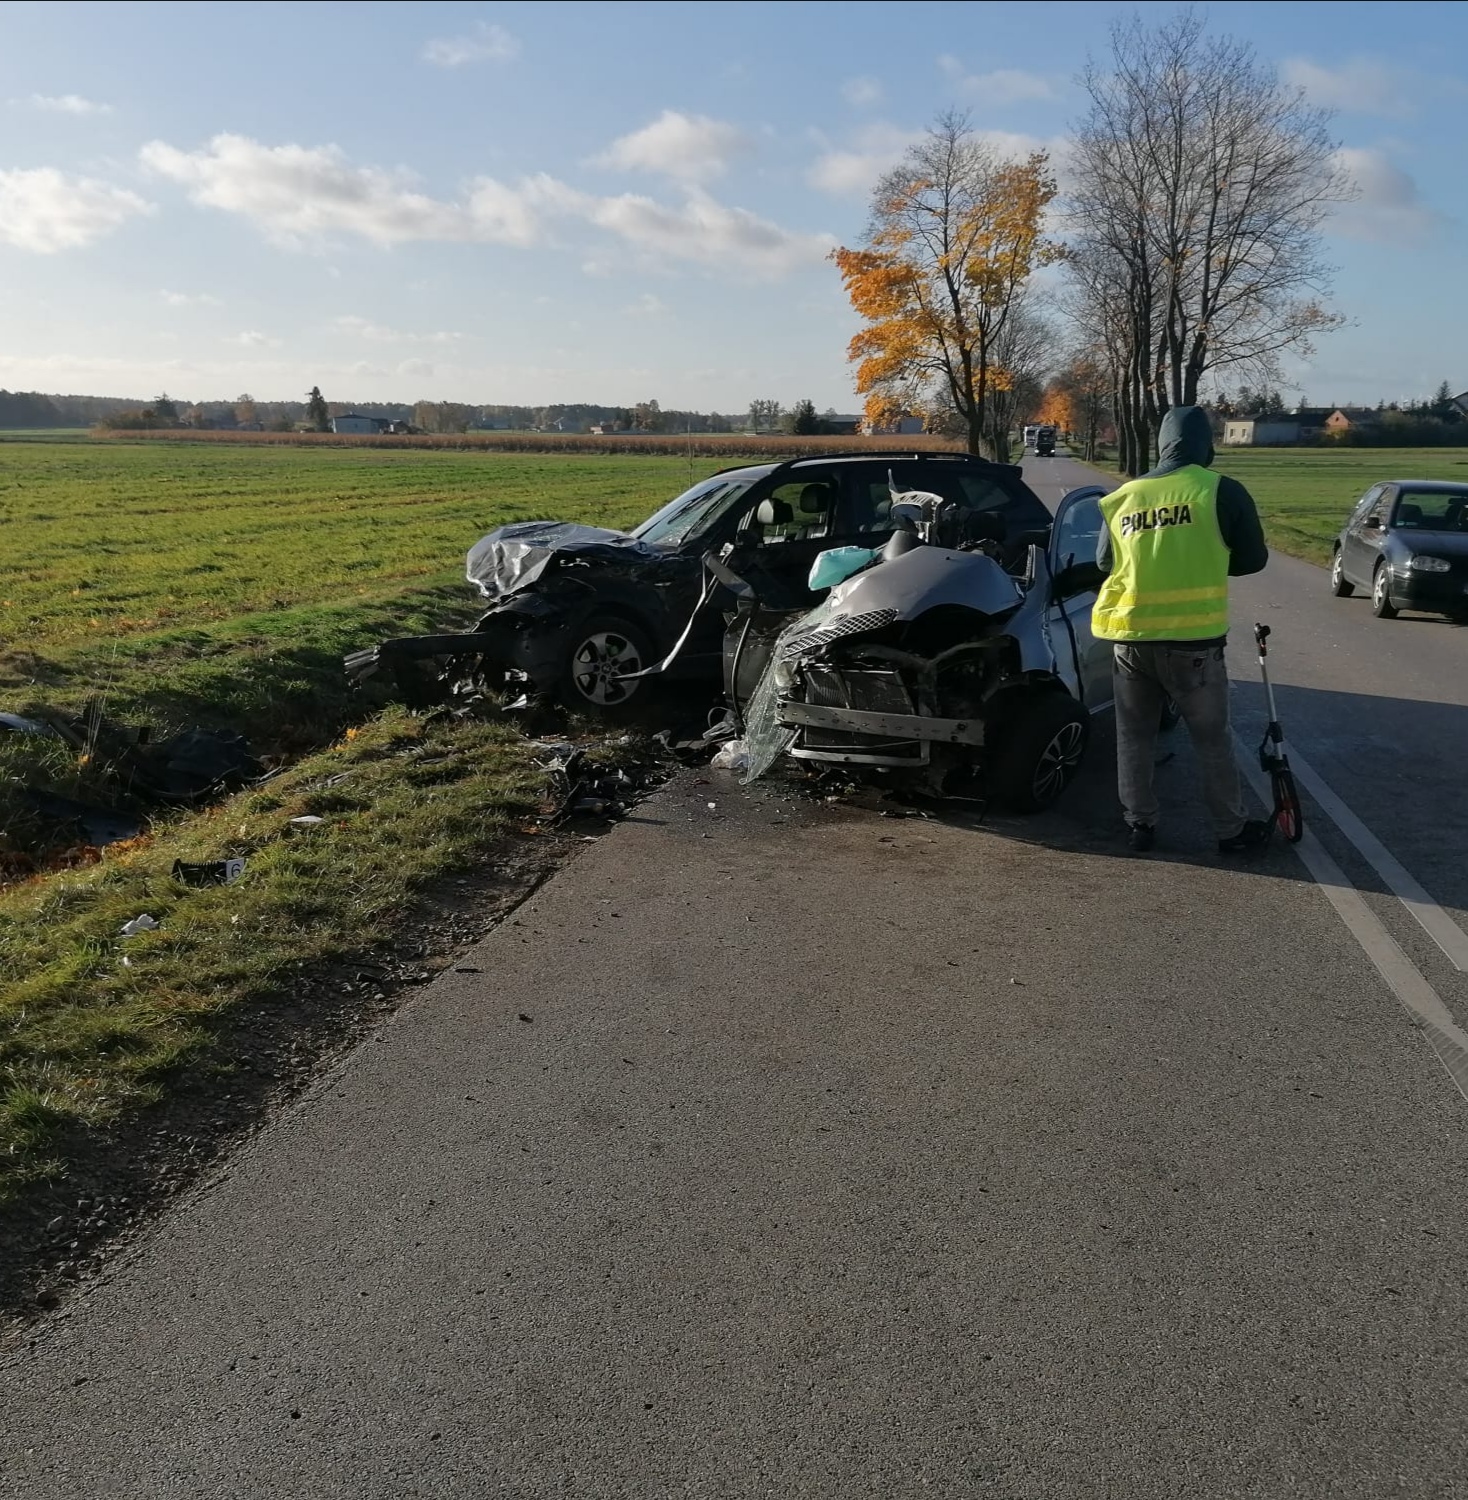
point(211, 872)
point(141, 923)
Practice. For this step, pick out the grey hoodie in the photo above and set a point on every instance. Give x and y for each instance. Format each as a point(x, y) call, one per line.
point(1186, 437)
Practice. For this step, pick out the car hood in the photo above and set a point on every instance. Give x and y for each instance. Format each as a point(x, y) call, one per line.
point(1434, 543)
point(514, 557)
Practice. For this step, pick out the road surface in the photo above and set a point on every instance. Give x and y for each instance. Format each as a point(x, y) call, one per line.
point(840, 1155)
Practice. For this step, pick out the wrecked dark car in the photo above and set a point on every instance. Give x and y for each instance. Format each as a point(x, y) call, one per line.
point(940, 664)
point(576, 612)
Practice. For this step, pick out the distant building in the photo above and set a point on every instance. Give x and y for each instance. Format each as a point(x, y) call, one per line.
point(906, 425)
point(1344, 418)
point(355, 422)
point(1461, 402)
point(1283, 430)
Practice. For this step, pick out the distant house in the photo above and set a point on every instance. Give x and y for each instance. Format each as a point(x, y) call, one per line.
point(1344, 418)
point(1461, 402)
point(606, 429)
point(355, 422)
point(906, 425)
point(842, 426)
point(1283, 430)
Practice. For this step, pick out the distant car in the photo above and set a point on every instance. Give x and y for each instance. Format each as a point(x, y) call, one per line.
point(574, 610)
point(1407, 542)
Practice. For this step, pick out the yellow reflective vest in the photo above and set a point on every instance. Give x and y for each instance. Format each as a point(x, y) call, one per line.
point(1169, 563)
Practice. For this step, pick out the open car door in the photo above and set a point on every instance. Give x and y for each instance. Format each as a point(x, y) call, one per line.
point(1075, 580)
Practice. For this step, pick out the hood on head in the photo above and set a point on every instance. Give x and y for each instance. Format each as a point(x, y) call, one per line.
point(1186, 437)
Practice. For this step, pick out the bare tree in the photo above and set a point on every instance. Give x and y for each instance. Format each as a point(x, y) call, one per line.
point(1201, 185)
point(1023, 352)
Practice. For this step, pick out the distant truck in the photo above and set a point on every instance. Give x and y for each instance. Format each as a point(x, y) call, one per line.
point(1029, 435)
point(1044, 442)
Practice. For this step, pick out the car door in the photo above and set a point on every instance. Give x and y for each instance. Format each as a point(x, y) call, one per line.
point(1363, 541)
point(1075, 579)
point(786, 525)
point(1350, 538)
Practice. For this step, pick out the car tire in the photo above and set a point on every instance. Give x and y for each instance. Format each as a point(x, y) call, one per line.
point(1040, 753)
point(1381, 594)
point(1340, 585)
point(602, 646)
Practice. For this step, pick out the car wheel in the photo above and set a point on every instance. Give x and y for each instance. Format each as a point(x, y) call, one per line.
point(1381, 594)
point(1040, 753)
point(603, 649)
point(1340, 585)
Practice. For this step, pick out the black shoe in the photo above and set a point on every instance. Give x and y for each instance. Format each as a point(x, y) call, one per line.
point(1253, 835)
point(1141, 837)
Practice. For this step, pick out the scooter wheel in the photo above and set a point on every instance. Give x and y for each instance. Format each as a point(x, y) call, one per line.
point(1289, 818)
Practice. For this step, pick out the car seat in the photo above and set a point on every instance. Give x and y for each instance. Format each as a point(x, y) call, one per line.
point(1409, 515)
point(814, 507)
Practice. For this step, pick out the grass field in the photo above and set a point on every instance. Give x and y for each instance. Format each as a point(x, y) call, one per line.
point(1305, 494)
point(221, 583)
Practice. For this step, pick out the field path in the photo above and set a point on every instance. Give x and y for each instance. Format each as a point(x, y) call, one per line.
point(778, 1149)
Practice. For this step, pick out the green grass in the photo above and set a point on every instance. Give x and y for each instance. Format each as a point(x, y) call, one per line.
point(222, 585)
point(1305, 494)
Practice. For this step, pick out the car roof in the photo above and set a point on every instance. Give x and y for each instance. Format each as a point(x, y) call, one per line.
point(1432, 486)
point(881, 455)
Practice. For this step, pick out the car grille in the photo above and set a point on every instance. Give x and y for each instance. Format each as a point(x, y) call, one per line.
point(879, 691)
point(803, 642)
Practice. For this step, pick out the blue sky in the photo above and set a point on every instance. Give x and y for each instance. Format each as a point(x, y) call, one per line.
point(561, 202)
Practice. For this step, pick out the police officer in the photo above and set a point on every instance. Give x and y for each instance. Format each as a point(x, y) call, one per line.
point(1171, 541)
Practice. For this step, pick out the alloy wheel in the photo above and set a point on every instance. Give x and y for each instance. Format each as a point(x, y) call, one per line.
point(1057, 762)
point(598, 665)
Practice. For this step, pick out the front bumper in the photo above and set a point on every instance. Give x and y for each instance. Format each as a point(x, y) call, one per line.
point(1440, 591)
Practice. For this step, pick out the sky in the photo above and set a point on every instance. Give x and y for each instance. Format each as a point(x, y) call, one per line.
point(606, 203)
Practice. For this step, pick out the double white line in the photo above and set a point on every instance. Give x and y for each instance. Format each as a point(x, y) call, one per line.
point(1421, 1001)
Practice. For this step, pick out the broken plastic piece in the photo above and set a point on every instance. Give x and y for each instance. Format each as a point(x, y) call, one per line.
point(307, 820)
point(212, 872)
point(733, 756)
point(141, 923)
point(16, 724)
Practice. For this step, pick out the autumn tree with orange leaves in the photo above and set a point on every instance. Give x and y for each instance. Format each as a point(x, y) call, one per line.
point(954, 237)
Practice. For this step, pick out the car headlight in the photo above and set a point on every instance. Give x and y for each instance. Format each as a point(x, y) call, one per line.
point(1420, 564)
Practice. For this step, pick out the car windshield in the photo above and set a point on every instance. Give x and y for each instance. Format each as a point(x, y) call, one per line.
point(1432, 510)
point(693, 510)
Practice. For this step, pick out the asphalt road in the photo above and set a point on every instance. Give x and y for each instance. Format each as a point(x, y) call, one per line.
point(851, 1156)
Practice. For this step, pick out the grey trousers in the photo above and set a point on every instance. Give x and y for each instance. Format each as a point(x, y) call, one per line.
point(1145, 675)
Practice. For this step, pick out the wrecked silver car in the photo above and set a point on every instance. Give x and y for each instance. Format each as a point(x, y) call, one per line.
point(934, 664)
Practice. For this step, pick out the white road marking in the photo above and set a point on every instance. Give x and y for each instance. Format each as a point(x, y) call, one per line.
point(1423, 1003)
point(1435, 922)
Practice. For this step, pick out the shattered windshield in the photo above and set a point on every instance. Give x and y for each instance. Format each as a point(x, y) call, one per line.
point(694, 510)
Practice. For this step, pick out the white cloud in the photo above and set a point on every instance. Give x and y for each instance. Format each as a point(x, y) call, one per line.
point(861, 92)
point(708, 233)
point(299, 195)
point(376, 333)
point(1389, 206)
point(646, 306)
point(64, 104)
point(486, 43)
point(302, 193)
point(418, 367)
point(1360, 86)
point(251, 339)
point(189, 299)
point(1000, 86)
point(852, 171)
point(44, 210)
point(688, 148)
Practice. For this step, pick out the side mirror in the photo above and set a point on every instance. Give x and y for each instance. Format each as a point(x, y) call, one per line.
point(1373, 523)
